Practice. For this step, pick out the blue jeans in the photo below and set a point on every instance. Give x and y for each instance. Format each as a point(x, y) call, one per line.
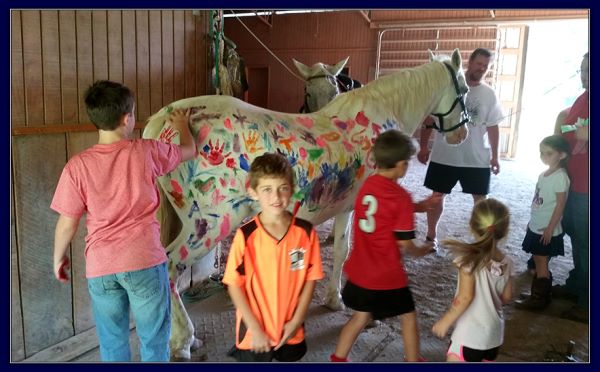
point(576, 225)
point(147, 292)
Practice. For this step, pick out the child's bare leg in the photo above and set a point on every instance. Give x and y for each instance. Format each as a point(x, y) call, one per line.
point(452, 358)
point(350, 333)
point(541, 266)
point(410, 335)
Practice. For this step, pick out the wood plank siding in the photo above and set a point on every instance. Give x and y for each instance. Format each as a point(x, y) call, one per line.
point(55, 55)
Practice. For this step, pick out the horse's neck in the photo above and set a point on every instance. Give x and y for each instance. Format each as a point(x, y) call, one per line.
point(407, 97)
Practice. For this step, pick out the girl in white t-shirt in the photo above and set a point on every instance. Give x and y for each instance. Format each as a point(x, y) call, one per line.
point(544, 237)
point(484, 284)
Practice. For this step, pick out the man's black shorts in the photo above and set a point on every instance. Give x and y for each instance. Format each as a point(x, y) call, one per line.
point(442, 178)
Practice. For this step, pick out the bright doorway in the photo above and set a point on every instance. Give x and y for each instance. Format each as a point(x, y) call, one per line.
point(552, 83)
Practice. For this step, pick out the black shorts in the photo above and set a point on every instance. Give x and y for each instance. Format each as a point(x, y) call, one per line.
point(442, 178)
point(531, 243)
point(467, 354)
point(286, 353)
point(380, 303)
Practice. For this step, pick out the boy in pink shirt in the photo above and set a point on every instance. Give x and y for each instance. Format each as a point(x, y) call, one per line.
point(114, 183)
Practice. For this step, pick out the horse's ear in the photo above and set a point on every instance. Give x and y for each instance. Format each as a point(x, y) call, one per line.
point(302, 68)
point(456, 59)
point(335, 70)
point(431, 55)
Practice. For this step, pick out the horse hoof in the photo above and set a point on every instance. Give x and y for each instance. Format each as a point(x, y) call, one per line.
point(196, 344)
point(177, 359)
point(335, 305)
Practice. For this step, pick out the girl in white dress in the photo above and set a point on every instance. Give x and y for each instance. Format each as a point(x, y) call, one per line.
point(484, 284)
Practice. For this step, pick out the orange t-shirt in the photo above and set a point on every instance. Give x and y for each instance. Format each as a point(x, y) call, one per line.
point(272, 274)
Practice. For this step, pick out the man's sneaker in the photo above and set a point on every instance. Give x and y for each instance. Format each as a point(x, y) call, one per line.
point(561, 292)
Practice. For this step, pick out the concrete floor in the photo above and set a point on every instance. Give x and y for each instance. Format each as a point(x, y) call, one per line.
point(528, 336)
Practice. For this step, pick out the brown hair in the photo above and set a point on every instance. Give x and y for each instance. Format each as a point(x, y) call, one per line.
point(270, 165)
point(489, 223)
point(106, 103)
point(559, 144)
point(480, 52)
point(391, 147)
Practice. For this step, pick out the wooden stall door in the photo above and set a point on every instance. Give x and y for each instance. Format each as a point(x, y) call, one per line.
point(258, 82)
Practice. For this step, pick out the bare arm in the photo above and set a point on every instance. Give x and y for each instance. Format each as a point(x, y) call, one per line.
point(561, 201)
point(416, 251)
point(507, 294)
point(66, 227)
point(180, 120)
point(423, 154)
point(462, 301)
point(429, 203)
point(290, 327)
point(560, 120)
point(493, 136)
point(260, 340)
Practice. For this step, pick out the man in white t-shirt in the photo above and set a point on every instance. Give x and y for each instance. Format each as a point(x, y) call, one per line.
point(470, 162)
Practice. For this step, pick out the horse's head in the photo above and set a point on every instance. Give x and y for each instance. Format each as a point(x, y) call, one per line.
point(451, 112)
point(321, 83)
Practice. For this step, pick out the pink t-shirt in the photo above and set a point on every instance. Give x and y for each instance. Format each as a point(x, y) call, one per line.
point(115, 185)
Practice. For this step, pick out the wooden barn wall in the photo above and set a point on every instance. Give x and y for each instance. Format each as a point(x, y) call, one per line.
point(309, 38)
point(162, 55)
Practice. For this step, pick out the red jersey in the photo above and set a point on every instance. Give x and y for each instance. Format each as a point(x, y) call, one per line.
point(272, 273)
point(578, 167)
point(383, 214)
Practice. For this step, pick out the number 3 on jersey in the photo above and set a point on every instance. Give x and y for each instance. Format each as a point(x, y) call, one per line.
point(367, 224)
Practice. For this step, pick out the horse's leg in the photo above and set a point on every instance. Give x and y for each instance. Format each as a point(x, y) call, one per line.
point(182, 341)
point(341, 227)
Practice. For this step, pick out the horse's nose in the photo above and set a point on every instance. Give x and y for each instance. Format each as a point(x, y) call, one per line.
point(457, 136)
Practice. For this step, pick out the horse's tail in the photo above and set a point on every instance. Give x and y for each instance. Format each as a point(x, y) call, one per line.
point(170, 225)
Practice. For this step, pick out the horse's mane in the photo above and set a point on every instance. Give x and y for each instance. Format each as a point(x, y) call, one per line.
point(409, 86)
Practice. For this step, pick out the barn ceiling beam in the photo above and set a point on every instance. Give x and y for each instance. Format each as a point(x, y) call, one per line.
point(266, 17)
point(467, 22)
point(366, 15)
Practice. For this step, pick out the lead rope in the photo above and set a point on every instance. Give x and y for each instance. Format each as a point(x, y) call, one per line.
point(267, 49)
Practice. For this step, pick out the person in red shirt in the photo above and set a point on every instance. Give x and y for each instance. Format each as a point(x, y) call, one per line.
point(377, 285)
point(114, 183)
point(272, 269)
point(573, 124)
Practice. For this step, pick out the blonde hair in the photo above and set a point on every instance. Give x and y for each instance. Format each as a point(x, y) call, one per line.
point(489, 223)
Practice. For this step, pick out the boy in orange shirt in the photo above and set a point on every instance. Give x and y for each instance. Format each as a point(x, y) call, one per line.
point(272, 269)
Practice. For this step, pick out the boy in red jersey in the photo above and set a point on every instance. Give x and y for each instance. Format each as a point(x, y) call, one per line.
point(377, 285)
point(272, 269)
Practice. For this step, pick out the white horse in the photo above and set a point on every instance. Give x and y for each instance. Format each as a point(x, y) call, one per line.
point(321, 85)
point(330, 151)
